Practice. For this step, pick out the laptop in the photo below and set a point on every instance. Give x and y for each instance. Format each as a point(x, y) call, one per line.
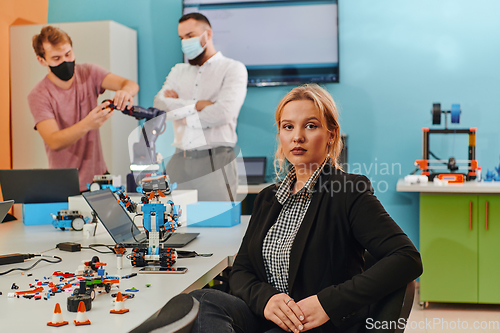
point(120, 226)
point(251, 170)
point(4, 208)
point(39, 185)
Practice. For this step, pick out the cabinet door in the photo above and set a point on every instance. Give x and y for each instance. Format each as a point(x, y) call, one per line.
point(448, 245)
point(489, 248)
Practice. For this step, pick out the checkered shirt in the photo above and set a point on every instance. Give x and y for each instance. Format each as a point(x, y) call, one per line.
point(279, 239)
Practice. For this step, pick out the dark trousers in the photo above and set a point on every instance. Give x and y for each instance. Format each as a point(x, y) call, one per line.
point(224, 313)
point(212, 172)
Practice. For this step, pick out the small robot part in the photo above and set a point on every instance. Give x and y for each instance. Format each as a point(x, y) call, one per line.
point(96, 279)
point(80, 295)
point(66, 218)
point(119, 251)
point(64, 275)
point(103, 181)
point(132, 290)
point(126, 202)
point(126, 296)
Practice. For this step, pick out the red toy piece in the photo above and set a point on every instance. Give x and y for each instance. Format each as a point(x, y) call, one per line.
point(64, 275)
point(31, 291)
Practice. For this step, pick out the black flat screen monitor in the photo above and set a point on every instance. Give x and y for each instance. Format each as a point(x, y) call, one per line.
point(281, 42)
point(251, 170)
point(39, 185)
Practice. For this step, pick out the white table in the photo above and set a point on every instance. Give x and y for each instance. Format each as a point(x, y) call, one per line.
point(29, 315)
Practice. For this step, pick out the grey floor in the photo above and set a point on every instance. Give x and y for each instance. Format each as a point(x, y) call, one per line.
point(453, 317)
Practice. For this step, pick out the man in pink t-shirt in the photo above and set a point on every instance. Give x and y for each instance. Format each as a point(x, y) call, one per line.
point(64, 105)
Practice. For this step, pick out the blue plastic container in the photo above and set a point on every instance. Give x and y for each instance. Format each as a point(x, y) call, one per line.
point(39, 213)
point(213, 214)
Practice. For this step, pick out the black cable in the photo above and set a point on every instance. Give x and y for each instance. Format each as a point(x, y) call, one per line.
point(191, 254)
point(415, 171)
point(437, 158)
point(59, 259)
point(132, 227)
point(93, 247)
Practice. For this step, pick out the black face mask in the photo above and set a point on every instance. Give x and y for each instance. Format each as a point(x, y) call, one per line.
point(64, 70)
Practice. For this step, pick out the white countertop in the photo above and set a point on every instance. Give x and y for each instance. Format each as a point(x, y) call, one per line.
point(467, 187)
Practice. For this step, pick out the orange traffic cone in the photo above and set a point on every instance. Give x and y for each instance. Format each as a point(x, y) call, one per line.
point(57, 319)
point(81, 317)
point(119, 306)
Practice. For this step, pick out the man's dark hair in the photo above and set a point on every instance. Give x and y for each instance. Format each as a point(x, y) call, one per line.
point(195, 16)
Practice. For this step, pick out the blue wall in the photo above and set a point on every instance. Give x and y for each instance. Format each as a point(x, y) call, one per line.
point(156, 25)
point(396, 57)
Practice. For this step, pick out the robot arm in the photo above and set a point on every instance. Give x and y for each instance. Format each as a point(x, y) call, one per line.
point(126, 202)
point(145, 149)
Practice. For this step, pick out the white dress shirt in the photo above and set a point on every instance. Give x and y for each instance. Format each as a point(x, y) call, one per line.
point(220, 80)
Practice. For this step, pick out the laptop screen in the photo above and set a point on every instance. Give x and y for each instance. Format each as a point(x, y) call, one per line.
point(113, 216)
point(4, 208)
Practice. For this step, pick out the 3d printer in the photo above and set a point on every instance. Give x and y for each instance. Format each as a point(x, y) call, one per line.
point(450, 166)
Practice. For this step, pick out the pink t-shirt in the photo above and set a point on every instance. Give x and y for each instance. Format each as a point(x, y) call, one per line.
point(68, 107)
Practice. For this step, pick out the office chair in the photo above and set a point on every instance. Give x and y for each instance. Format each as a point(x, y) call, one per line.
point(394, 308)
point(177, 316)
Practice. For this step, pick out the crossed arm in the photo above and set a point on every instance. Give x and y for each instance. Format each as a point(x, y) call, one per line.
point(205, 113)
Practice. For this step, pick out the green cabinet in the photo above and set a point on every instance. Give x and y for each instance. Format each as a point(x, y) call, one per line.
point(489, 249)
point(460, 248)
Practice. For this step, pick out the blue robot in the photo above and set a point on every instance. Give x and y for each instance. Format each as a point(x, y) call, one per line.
point(158, 220)
point(67, 218)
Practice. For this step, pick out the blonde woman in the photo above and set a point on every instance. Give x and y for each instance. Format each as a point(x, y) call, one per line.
point(300, 265)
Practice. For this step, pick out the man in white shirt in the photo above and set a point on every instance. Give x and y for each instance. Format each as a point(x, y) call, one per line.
point(203, 99)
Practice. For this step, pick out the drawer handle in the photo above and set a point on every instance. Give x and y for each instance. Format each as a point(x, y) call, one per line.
point(487, 213)
point(470, 215)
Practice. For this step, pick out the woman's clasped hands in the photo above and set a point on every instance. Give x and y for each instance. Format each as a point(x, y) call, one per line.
point(308, 313)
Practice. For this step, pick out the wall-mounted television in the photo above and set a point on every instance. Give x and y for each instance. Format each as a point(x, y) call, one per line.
point(281, 42)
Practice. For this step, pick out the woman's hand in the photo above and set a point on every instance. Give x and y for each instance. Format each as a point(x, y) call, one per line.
point(284, 312)
point(314, 313)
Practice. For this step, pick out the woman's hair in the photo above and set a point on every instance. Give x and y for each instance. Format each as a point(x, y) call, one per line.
point(51, 35)
point(329, 119)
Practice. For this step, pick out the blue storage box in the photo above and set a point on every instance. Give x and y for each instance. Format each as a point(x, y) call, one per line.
point(39, 213)
point(213, 214)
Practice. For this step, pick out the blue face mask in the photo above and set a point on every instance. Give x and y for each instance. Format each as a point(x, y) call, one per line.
point(192, 47)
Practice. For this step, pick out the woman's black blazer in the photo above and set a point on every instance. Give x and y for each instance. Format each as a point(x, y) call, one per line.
point(343, 219)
